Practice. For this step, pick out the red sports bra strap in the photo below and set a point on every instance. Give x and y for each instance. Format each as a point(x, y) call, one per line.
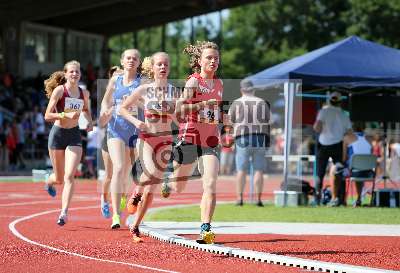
point(66, 94)
point(65, 91)
point(80, 93)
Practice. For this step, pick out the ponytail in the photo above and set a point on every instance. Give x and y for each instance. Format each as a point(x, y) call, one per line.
point(56, 79)
point(194, 52)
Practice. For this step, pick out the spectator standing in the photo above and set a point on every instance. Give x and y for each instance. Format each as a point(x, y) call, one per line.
point(20, 138)
point(332, 124)
point(250, 116)
point(39, 130)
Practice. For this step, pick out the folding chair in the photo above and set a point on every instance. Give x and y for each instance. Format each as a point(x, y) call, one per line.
point(362, 168)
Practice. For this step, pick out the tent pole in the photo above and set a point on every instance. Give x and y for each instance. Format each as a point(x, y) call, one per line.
point(289, 88)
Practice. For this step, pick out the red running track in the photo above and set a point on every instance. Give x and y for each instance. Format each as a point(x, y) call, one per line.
point(88, 234)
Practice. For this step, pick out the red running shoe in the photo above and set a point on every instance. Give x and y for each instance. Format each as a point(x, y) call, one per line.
point(136, 235)
point(133, 203)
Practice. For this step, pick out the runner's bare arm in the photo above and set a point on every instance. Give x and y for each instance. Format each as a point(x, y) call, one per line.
point(86, 110)
point(52, 115)
point(107, 103)
point(183, 107)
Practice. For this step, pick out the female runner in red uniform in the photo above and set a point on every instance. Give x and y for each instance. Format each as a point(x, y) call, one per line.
point(198, 130)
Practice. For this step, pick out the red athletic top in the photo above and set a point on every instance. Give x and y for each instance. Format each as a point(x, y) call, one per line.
point(73, 104)
point(201, 127)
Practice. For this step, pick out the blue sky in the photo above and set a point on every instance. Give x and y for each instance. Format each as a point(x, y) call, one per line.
point(213, 17)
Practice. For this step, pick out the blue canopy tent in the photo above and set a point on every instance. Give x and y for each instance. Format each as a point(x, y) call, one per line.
point(349, 63)
point(352, 62)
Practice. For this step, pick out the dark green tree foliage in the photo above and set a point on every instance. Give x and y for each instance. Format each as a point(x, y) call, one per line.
point(177, 37)
point(257, 36)
point(376, 20)
point(264, 34)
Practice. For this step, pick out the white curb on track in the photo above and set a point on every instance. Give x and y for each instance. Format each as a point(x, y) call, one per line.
point(313, 265)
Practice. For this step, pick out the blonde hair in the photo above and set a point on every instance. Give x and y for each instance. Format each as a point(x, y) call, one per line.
point(57, 78)
point(113, 70)
point(148, 62)
point(194, 52)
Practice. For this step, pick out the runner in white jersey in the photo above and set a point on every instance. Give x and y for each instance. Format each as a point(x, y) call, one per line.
point(155, 139)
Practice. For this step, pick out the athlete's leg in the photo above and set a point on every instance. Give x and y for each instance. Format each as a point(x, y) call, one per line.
point(127, 181)
point(153, 170)
point(137, 192)
point(73, 156)
point(118, 154)
point(107, 175)
point(185, 160)
point(180, 176)
point(210, 165)
point(105, 187)
point(57, 158)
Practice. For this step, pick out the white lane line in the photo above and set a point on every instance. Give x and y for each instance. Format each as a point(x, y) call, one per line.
point(14, 231)
point(29, 203)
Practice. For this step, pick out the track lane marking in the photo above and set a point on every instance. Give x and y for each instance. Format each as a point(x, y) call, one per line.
point(16, 233)
point(29, 203)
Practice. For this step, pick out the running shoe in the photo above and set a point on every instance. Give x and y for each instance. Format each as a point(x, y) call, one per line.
point(105, 208)
point(116, 221)
point(122, 205)
point(206, 237)
point(133, 203)
point(62, 220)
point(51, 190)
point(165, 190)
point(135, 234)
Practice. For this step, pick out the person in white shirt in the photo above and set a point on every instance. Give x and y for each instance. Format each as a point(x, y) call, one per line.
point(332, 124)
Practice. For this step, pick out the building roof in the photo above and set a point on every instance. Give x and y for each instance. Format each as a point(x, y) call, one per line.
point(109, 17)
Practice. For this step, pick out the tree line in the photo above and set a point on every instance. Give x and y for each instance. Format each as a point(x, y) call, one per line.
point(258, 36)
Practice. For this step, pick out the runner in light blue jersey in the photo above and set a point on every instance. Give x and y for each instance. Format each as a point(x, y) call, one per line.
point(121, 135)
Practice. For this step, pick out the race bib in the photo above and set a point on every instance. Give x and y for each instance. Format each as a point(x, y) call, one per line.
point(161, 108)
point(133, 111)
point(73, 105)
point(209, 115)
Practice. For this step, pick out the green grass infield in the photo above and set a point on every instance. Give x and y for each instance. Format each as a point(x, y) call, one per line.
point(270, 213)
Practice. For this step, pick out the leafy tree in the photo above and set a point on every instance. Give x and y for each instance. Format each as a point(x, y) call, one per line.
point(260, 35)
point(376, 20)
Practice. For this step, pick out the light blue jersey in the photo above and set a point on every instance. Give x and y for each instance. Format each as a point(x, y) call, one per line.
point(118, 127)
